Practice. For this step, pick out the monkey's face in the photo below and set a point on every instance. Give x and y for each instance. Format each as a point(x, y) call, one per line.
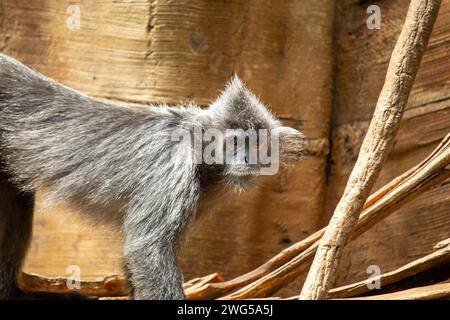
point(253, 141)
point(241, 149)
point(252, 153)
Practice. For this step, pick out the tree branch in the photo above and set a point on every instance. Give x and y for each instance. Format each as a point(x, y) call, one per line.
point(112, 285)
point(432, 292)
point(109, 286)
point(377, 143)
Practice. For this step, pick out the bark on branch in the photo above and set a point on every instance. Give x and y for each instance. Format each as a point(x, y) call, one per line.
point(109, 286)
point(112, 285)
point(377, 143)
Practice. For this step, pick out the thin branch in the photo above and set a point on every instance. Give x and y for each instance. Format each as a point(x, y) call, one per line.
point(377, 143)
point(442, 244)
point(109, 286)
point(199, 282)
point(432, 292)
point(112, 285)
point(441, 255)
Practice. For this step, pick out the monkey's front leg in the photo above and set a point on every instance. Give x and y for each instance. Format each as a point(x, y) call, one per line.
point(153, 227)
point(153, 271)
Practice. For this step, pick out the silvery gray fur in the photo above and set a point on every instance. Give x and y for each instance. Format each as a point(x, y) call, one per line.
point(118, 164)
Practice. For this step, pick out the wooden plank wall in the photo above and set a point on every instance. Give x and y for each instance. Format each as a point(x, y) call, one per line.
point(137, 52)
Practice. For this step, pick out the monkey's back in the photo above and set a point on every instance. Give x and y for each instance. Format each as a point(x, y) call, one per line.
point(54, 137)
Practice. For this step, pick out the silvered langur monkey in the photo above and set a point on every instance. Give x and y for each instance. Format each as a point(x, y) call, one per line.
point(132, 168)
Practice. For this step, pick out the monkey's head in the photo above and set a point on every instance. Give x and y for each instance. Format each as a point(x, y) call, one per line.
point(249, 139)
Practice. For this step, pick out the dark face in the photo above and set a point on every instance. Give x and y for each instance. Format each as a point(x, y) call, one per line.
point(238, 156)
point(253, 153)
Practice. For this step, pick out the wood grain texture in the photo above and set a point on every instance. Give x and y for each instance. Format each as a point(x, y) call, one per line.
point(138, 52)
point(361, 62)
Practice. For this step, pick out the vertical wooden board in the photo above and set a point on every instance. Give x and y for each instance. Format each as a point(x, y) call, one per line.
point(362, 56)
point(171, 51)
